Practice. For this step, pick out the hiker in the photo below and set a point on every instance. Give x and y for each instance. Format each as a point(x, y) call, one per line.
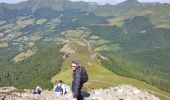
point(60, 88)
point(3, 97)
point(37, 90)
point(79, 78)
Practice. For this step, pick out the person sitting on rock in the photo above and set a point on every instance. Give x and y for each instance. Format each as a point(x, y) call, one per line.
point(37, 90)
point(60, 88)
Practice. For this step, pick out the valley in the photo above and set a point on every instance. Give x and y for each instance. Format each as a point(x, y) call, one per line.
point(127, 43)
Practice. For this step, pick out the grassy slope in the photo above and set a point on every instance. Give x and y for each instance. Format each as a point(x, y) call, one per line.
point(99, 76)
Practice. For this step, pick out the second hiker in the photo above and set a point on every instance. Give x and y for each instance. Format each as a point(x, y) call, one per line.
point(60, 88)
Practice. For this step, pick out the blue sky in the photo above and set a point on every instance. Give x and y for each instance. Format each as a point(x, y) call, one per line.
point(99, 1)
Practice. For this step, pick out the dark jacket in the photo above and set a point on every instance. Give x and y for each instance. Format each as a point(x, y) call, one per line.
point(76, 83)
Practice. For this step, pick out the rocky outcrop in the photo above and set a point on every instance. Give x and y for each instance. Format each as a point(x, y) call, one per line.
point(67, 49)
point(122, 92)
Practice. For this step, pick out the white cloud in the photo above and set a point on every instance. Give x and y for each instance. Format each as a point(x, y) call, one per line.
point(99, 1)
point(11, 1)
point(102, 1)
point(163, 1)
point(118, 1)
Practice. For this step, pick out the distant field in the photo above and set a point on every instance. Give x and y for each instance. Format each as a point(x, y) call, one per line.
point(116, 21)
point(23, 56)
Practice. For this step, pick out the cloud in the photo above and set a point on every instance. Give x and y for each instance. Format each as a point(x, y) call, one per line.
point(103, 1)
point(11, 1)
point(118, 1)
point(162, 1)
point(98, 1)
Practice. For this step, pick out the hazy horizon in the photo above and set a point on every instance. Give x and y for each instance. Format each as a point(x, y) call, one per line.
point(98, 1)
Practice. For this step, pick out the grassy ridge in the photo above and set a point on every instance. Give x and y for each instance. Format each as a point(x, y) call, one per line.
point(144, 47)
point(99, 76)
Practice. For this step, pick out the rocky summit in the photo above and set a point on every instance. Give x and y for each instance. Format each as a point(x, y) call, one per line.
point(121, 92)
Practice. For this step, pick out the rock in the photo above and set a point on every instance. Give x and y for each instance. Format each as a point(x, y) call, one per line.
point(7, 89)
point(122, 92)
point(67, 49)
point(1, 35)
point(4, 45)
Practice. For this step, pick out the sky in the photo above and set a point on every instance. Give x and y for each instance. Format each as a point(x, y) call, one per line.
point(98, 1)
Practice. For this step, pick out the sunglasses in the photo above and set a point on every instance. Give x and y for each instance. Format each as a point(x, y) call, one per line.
point(73, 66)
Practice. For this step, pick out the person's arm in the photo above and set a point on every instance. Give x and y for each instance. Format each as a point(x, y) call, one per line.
point(77, 83)
point(64, 89)
point(67, 88)
point(54, 87)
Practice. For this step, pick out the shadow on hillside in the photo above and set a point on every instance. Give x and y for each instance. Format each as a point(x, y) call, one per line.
point(85, 94)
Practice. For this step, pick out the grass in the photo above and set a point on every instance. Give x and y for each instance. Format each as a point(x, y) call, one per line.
point(99, 76)
point(112, 47)
point(163, 26)
point(4, 45)
point(118, 21)
point(77, 33)
point(23, 56)
point(94, 37)
point(55, 21)
point(21, 24)
point(30, 44)
point(101, 42)
point(115, 47)
point(41, 21)
point(73, 33)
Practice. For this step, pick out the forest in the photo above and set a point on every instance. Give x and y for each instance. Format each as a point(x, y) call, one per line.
point(35, 70)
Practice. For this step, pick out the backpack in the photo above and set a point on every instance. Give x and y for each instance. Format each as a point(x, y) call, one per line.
point(84, 75)
point(59, 88)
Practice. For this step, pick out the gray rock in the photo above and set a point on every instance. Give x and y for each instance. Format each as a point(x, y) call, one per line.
point(122, 92)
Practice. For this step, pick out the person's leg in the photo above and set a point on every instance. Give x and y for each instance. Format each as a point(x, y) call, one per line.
point(33, 91)
point(80, 97)
point(39, 92)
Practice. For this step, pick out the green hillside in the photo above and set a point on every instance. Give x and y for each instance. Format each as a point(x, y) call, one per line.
point(33, 71)
point(99, 76)
point(158, 13)
point(142, 48)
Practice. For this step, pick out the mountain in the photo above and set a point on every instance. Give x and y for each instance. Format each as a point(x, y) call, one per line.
point(157, 12)
point(128, 43)
point(55, 4)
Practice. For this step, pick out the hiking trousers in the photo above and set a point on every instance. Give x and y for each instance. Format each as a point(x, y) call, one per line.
point(80, 97)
